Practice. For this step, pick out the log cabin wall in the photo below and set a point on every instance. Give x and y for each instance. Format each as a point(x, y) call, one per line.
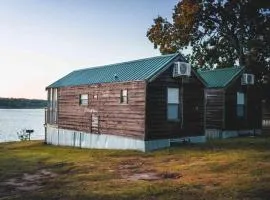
point(104, 105)
point(214, 108)
point(158, 126)
point(254, 107)
point(253, 111)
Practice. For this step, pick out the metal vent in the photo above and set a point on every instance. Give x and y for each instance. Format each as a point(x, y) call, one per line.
point(247, 79)
point(181, 69)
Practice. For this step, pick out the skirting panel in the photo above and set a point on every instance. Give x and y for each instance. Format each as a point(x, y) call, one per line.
point(63, 137)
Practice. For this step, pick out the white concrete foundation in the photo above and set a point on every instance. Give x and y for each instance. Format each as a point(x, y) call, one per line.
point(219, 134)
point(63, 137)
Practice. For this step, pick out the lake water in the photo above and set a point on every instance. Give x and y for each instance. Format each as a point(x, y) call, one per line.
point(15, 120)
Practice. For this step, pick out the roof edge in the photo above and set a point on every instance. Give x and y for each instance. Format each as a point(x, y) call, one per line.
point(154, 75)
point(233, 79)
point(199, 77)
point(118, 82)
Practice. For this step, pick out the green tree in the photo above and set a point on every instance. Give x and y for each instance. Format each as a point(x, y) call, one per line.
point(221, 33)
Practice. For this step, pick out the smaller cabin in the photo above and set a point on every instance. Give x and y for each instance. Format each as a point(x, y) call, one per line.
point(232, 103)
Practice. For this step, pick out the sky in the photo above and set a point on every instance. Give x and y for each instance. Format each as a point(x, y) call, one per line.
point(43, 40)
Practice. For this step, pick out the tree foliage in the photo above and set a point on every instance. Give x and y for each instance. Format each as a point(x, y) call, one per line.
point(221, 33)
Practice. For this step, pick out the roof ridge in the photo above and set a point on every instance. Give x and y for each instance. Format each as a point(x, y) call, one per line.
point(221, 69)
point(172, 58)
point(221, 77)
point(235, 75)
point(131, 61)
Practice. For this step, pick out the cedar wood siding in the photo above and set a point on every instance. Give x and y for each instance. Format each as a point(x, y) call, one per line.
point(266, 118)
point(214, 108)
point(158, 127)
point(114, 117)
point(253, 115)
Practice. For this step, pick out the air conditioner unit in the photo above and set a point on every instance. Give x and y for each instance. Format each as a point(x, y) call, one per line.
point(247, 79)
point(181, 69)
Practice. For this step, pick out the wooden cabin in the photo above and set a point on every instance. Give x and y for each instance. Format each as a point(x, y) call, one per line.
point(232, 103)
point(143, 105)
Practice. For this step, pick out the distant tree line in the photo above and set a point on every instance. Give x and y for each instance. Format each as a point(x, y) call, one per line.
point(22, 103)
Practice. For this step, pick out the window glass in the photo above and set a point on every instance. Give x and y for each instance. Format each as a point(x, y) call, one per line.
point(84, 99)
point(172, 111)
point(124, 96)
point(240, 108)
point(172, 103)
point(124, 93)
point(240, 98)
point(51, 98)
point(173, 95)
point(55, 105)
point(52, 106)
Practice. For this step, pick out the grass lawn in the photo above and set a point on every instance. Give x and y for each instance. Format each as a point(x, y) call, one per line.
point(229, 169)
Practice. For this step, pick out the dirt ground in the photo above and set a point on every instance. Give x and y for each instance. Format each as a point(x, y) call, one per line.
point(26, 183)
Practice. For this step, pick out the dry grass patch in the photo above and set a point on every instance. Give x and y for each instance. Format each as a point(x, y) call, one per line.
point(28, 182)
point(228, 169)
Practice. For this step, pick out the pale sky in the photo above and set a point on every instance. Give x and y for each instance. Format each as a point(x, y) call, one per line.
point(43, 40)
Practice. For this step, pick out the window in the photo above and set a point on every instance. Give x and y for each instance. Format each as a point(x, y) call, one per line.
point(52, 106)
point(240, 108)
point(124, 96)
point(172, 103)
point(84, 99)
point(54, 103)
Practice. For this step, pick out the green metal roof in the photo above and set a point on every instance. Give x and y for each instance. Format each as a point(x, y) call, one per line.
point(220, 77)
point(142, 69)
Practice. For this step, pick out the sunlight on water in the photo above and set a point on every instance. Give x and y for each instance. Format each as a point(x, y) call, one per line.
point(14, 120)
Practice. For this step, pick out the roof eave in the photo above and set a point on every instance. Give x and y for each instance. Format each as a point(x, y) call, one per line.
point(199, 77)
point(153, 76)
point(234, 78)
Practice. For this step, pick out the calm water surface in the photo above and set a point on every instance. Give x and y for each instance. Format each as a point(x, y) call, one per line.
point(14, 120)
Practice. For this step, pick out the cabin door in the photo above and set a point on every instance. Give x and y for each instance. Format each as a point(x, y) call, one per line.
point(94, 122)
point(266, 119)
